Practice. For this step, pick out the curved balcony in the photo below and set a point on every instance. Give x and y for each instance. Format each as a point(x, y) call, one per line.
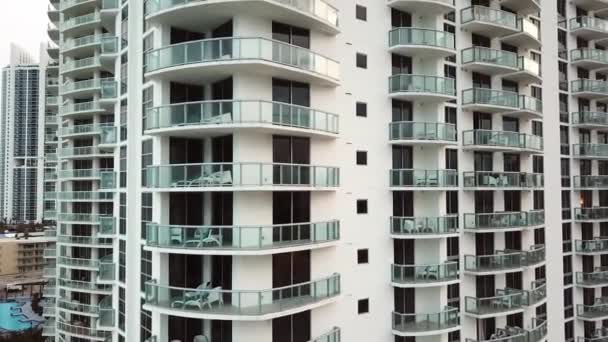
point(591, 182)
point(422, 133)
point(78, 218)
point(590, 151)
point(486, 140)
point(589, 89)
point(422, 88)
point(597, 246)
point(242, 240)
point(589, 28)
point(107, 269)
point(421, 42)
point(494, 306)
point(594, 312)
point(424, 180)
point(80, 174)
point(590, 120)
point(87, 45)
point(537, 293)
point(528, 71)
point(79, 24)
point(219, 57)
point(53, 32)
point(488, 21)
point(86, 88)
point(589, 58)
point(424, 275)
point(83, 152)
point(489, 61)
point(312, 14)
point(79, 263)
point(424, 227)
point(79, 331)
point(426, 324)
point(249, 305)
point(78, 308)
point(591, 214)
point(85, 196)
point(81, 110)
point(489, 100)
point(241, 176)
point(597, 278)
point(85, 241)
point(503, 221)
point(83, 130)
point(504, 261)
point(86, 286)
point(527, 35)
point(491, 180)
point(435, 7)
point(223, 116)
point(80, 67)
point(80, 5)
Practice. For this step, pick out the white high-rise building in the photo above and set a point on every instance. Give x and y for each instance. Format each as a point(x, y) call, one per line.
point(19, 140)
point(328, 170)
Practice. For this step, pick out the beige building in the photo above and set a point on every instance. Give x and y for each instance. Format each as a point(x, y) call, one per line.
point(21, 255)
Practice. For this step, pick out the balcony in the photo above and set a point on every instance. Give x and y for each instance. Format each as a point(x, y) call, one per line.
point(83, 152)
point(86, 286)
point(528, 71)
point(78, 331)
point(85, 264)
point(107, 269)
point(82, 130)
point(589, 28)
point(77, 4)
point(78, 308)
point(590, 120)
point(107, 225)
point(485, 140)
point(420, 42)
point(527, 35)
point(242, 176)
point(242, 240)
point(78, 218)
point(591, 182)
point(591, 214)
point(80, 174)
point(488, 307)
point(86, 87)
point(422, 133)
point(422, 88)
point(590, 151)
point(106, 313)
point(250, 305)
point(597, 246)
point(596, 311)
point(85, 196)
point(489, 61)
point(424, 275)
point(80, 67)
point(592, 59)
point(537, 293)
point(589, 89)
point(490, 22)
point(503, 221)
point(88, 44)
point(424, 227)
point(504, 261)
point(81, 109)
point(597, 278)
point(219, 57)
point(490, 180)
point(424, 180)
point(53, 32)
point(522, 6)
point(426, 324)
point(80, 24)
point(590, 5)
point(433, 7)
point(221, 116)
point(312, 14)
point(489, 100)
point(85, 241)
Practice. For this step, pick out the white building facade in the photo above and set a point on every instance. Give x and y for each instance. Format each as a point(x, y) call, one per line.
point(282, 170)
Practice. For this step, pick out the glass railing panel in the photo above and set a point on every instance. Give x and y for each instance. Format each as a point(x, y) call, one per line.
point(479, 54)
point(493, 179)
point(591, 213)
point(408, 130)
point(585, 85)
point(589, 23)
point(495, 262)
point(488, 15)
point(502, 139)
point(589, 54)
point(424, 225)
point(80, 20)
point(529, 103)
point(424, 322)
point(590, 181)
point(107, 225)
point(597, 245)
point(490, 97)
point(80, 330)
point(423, 178)
point(412, 274)
point(596, 310)
point(490, 305)
point(590, 118)
point(496, 220)
point(590, 150)
point(592, 278)
point(405, 83)
point(421, 37)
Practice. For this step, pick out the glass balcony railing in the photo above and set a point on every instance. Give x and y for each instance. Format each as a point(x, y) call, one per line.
point(420, 84)
point(78, 262)
point(596, 278)
point(85, 285)
point(530, 104)
point(241, 175)
point(78, 307)
point(89, 62)
point(81, 173)
point(241, 237)
point(590, 118)
point(320, 9)
point(536, 294)
point(589, 339)
point(82, 129)
point(597, 310)
point(107, 225)
point(82, 151)
point(585, 54)
point(49, 253)
point(426, 322)
point(494, 305)
point(425, 131)
point(107, 180)
point(90, 84)
point(494, 262)
point(589, 86)
point(423, 178)
point(93, 39)
point(597, 245)
point(482, 137)
point(410, 36)
point(591, 213)
point(83, 331)
point(478, 54)
point(236, 112)
point(330, 336)
point(424, 274)
point(107, 268)
point(591, 182)
point(591, 23)
point(490, 97)
point(109, 4)
point(79, 108)
point(229, 49)
point(66, 4)
point(52, 100)
point(504, 220)
point(590, 150)
point(84, 240)
point(107, 135)
point(106, 312)
point(489, 16)
point(80, 20)
point(413, 226)
point(78, 217)
point(238, 302)
point(491, 179)
point(538, 332)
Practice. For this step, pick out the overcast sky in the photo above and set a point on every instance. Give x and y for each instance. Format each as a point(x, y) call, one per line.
point(24, 23)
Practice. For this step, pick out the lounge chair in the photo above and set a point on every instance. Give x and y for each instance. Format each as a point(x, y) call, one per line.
point(219, 119)
point(218, 178)
point(209, 297)
point(190, 297)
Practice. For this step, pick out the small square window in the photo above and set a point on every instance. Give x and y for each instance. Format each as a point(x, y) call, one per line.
point(361, 12)
point(362, 206)
point(362, 256)
point(363, 306)
point(361, 109)
point(361, 157)
point(361, 61)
